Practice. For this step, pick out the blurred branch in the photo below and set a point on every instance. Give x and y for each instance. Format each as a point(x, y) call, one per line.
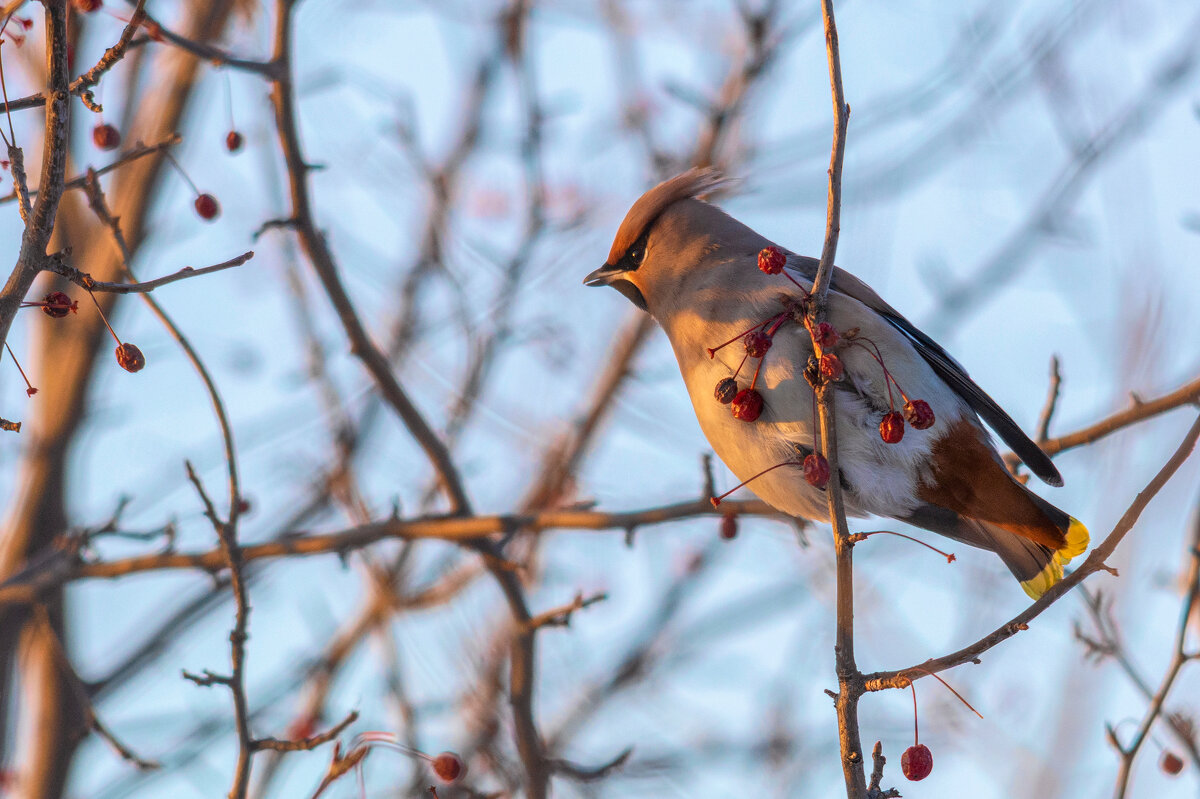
point(1013, 256)
point(1043, 428)
point(81, 696)
point(1179, 657)
point(446, 528)
point(1108, 642)
point(309, 743)
point(321, 258)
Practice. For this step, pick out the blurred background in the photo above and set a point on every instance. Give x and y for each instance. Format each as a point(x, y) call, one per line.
point(1020, 180)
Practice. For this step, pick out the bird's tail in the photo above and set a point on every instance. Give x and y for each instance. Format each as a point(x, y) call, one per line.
point(1034, 564)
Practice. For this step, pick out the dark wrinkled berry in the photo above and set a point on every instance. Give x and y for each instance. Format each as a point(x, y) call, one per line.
point(727, 389)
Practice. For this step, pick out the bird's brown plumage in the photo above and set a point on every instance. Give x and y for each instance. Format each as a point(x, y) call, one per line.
point(966, 477)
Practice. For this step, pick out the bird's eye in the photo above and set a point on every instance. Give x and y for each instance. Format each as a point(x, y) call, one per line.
point(637, 254)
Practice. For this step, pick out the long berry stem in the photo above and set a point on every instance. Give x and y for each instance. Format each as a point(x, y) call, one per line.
point(716, 501)
point(105, 318)
point(916, 732)
point(30, 390)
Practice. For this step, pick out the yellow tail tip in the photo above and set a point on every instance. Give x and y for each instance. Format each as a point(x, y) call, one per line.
point(1047, 577)
point(1077, 543)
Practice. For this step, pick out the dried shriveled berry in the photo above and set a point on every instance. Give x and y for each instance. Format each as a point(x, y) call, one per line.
point(1171, 763)
point(207, 207)
point(729, 526)
point(130, 358)
point(824, 335)
point(106, 137)
point(812, 372)
point(86, 6)
point(919, 414)
point(233, 141)
point(726, 390)
point(831, 367)
point(891, 429)
point(816, 470)
point(771, 260)
point(747, 405)
point(58, 304)
point(916, 762)
point(757, 344)
point(449, 767)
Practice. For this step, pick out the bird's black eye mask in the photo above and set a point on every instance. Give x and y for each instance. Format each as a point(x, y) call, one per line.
point(634, 256)
point(614, 274)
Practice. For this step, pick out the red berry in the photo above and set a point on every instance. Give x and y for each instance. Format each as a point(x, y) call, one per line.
point(130, 358)
point(206, 206)
point(919, 414)
point(816, 470)
point(106, 137)
point(57, 305)
point(449, 767)
point(1171, 763)
point(831, 366)
point(747, 405)
point(86, 6)
point(726, 390)
point(233, 141)
point(825, 335)
point(771, 260)
point(757, 344)
point(891, 429)
point(729, 526)
point(916, 762)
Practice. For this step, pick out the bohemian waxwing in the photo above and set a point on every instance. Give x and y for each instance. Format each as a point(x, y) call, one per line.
point(697, 271)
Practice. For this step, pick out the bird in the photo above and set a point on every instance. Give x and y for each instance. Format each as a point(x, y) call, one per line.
point(701, 275)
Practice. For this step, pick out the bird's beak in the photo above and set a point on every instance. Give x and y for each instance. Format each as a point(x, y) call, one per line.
point(604, 275)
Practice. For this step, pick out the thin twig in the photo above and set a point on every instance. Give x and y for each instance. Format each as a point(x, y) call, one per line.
point(1043, 427)
point(231, 550)
point(846, 702)
point(84, 280)
point(309, 743)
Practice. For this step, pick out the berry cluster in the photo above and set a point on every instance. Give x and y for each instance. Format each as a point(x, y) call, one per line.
point(746, 404)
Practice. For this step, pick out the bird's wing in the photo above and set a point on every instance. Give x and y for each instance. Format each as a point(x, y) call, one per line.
point(946, 368)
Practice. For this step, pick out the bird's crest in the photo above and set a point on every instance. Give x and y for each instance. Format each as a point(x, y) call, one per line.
point(692, 183)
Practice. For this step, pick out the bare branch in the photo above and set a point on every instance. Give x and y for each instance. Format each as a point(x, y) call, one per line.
point(57, 265)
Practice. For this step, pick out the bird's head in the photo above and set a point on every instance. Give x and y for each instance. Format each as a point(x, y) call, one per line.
point(665, 236)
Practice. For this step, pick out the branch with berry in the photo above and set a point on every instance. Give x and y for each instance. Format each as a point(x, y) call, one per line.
point(825, 366)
